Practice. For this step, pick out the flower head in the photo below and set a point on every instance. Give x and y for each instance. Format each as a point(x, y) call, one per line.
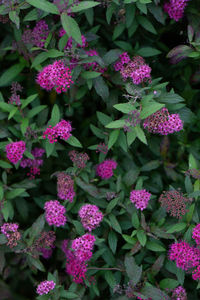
point(69, 42)
point(196, 234)
point(15, 150)
point(83, 246)
point(90, 216)
point(179, 293)
point(33, 164)
point(79, 159)
point(65, 187)
point(54, 213)
point(10, 230)
point(40, 33)
point(175, 8)
point(45, 287)
point(140, 198)
point(61, 130)
point(105, 169)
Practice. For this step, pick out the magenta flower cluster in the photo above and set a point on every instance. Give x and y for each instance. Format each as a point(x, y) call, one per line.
point(69, 42)
point(76, 264)
point(79, 159)
point(54, 213)
point(140, 198)
point(15, 98)
point(196, 234)
point(93, 66)
point(65, 187)
point(175, 8)
point(179, 293)
point(56, 75)
point(8, 228)
point(90, 216)
point(15, 150)
point(61, 130)
point(136, 69)
point(40, 33)
point(45, 287)
point(105, 169)
point(33, 164)
point(162, 122)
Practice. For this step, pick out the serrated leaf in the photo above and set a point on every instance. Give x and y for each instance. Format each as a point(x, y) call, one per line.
point(55, 115)
point(101, 87)
point(124, 107)
point(84, 5)
point(115, 224)
point(36, 263)
point(10, 74)
point(36, 110)
point(90, 74)
point(177, 227)
point(14, 193)
point(5, 165)
point(71, 27)
point(116, 124)
point(140, 134)
point(44, 5)
point(142, 238)
point(112, 241)
point(73, 141)
point(113, 138)
point(146, 24)
point(150, 109)
point(133, 271)
point(168, 283)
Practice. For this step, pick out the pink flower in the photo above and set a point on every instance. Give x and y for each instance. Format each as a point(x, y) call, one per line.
point(15, 150)
point(105, 169)
point(196, 273)
point(90, 216)
point(10, 230)
point(57, 76)
point(61, 130)
point(79, 159)
point(69, 42)
point(179, 293)
point(175, 8)
point(83, 246)
point(140, 198)
point(45, 287)
point(76, 268)
point(94, 66)
point(196, 234)
point(54, 213)
point(40, 33)
point(163, 123)
point(65, 187)
point(33, 164)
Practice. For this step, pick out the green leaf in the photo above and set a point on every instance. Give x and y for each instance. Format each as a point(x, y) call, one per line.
point(148, 51)
point(37, 227)
point(27, 101)
point(111, 205)
point(73, 141)
point(190, 213)
point(24, 125)
point(35, 111)
point(130, 14)
point(31, 16)
point(154, 293)
point(154, 164)
point(142, 238)
point(90, 74)
point(49, 147)
point(55, 115)
point(14, 193)
point(192, 162)
point(3, 239)
point(154, 246)
point(116, 124)
point(168, 283)
point(111, 56)
point(68, 295)
point(115, 224)
point(146, 24)
point(131, 136)
point(84, 5)
point(12, 113)
point(109, 277)
point(44, 5)
point(1, 193)
point(39, 59)
point(124, 107)
point(101, 87)
point(119, 28)
point(7, 210)
point(10, 74)
point(150, 109)
point(133, 271)
point(140, 134)
point(71, 27)
point(36, 263)
point(103, 118)
point(128, 239)
point(177, 227)
point(135, 220)
point(5, 165)
point(112, 241)
point(113, 138)
point(13, 16)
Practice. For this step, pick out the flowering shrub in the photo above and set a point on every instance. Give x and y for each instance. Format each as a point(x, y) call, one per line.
point(99, 149)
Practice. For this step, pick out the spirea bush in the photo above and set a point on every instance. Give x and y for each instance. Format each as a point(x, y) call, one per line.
point(99, 149)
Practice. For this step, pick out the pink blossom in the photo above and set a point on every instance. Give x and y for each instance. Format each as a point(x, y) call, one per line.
point(15, 150)
point(196, 273)
point(61, 130)
point(140, 198)
point(54, 213)
point(94, 66)
point(90, 216)
point(56, 75)
point(45, 287)
point(175, 8)
point(76, 268)
point(33, 164)
point(8, 228)
point(65, 187)
point(40, 33)
point(105, 169)
point(196, 234)
point(69, 42)
point(83, 246)
point(179, 293)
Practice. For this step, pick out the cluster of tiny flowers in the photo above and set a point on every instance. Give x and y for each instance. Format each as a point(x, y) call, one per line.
point(64, 6)
point(140, 198)
point(15, 98)
point(4, 19)
point(132, 120)
point(10, 230)
point(136, 69)
point(40, 33)
point(65, 187)
point(61, 130)
point(102, 148)
point(175, 8)
point(83, 246)
point(76, 268)
point(69, 42)
point(196, 273)
point(94, 66)
point(15, 150)
point(174, 202)
point(90, 216)
point(105, 169)
point(163, 123)
point(185, 256)
point(45, 243)
point(79, 159)
point(179, 293)
point(194, 173)
point(54, 213)
point(45, 287)
point(33, 164)
point(196, 234)
point(56, 75)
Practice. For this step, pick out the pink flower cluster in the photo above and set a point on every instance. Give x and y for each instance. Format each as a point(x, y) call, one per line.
point(163, 123)
point(45, 287)
point(33, 164)
point(69, 42)
point(65, 187)
point(10, 230)
point(90, 216)
point(94, 66)
point(140, 198)
point(136, 69)
point(54, 213)
point(186, 257)
point(40, 33)
point(15, 150)
point(179, 293)
point(61, 130)
point(76, 264)
point(56, 75)
point(105, 169)
point(175, 8)
point(196, 234)
point(79, 159)
point(15, 98)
